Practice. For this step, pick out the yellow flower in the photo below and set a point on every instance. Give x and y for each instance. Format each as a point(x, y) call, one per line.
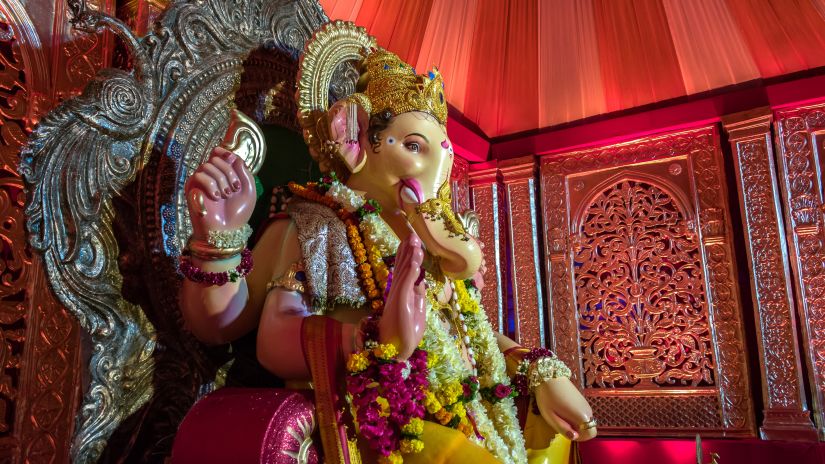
point(357, 362)
point(393, 458)
point(450, 393)
point(458, 409)
point(468, 304)
point(431, 403)
point(414, 427)
point(385, 406)
point(411, 446)
point(385, 351)
point(432, 358)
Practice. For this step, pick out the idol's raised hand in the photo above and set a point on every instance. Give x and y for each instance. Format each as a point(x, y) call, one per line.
point(405, 316)
point(220, 194)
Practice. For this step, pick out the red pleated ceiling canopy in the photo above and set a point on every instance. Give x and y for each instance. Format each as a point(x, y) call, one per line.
point(517, 65)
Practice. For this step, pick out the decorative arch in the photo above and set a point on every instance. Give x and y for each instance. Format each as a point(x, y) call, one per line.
point(640, 290)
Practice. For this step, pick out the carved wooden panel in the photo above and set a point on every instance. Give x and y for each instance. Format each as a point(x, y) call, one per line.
point(518, 177)
point(488, 203)
point(40, 367)
point(78, 55)
point(643, 301)
point(51, 374)
point(801, 141)
point(786, 415)
point(640, 290)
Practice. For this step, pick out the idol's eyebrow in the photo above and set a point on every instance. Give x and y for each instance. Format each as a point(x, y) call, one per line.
point(420, 135)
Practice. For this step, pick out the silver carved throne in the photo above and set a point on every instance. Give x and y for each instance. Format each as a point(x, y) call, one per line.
point(105, 210)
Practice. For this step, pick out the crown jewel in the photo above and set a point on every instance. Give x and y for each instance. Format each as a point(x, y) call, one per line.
point(393, 85)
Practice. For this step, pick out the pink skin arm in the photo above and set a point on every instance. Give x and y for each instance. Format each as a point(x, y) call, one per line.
point(221, 196)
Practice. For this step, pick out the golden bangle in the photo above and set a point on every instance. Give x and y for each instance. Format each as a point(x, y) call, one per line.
point(587, 425)
point(204, 251)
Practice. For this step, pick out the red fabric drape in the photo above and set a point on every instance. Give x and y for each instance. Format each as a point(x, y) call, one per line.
point(345, 10)
point(639, 63)
point(711, 51)
point(398, 26)
point(570, 76)
point(518, 110)
point(486, 71)
point(783, 35)
point(512, 65)
point(447, 43)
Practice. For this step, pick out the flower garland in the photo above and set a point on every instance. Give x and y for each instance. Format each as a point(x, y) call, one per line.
point(496, 423)
point(497, 419)
point(476, 401)
point(387, 400)
point(386, 395)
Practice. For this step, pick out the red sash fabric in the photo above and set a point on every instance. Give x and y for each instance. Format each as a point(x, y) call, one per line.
point(321, 343)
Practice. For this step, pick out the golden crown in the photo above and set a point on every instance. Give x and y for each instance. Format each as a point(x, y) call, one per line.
point(393, 85)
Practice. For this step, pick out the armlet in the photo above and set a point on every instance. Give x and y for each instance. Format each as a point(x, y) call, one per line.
point(294, 279)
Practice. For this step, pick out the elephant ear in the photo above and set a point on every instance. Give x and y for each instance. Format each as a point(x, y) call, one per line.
point(335, 46)
point(348, 122)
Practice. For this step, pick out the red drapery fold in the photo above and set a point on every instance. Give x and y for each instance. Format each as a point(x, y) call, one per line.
point(514, 65)
point(398, 26)
point(639, 63)
point(783, 35)
point(486, 72)
point(518, 110)
point(447, 43)
point(711, 51)
point(570, 77)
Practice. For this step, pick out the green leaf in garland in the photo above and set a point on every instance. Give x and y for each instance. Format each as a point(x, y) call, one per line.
point(369, 207)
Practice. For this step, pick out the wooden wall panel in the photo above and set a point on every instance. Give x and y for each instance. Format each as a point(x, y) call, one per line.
point(518, 178)
point(487, 199)
point(644, 304)
point(801, 159)
point(786, 414)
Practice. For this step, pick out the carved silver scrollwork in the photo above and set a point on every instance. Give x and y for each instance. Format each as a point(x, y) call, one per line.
point(105, 173)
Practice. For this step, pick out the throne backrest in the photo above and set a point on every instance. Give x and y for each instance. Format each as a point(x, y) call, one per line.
point(105, 173)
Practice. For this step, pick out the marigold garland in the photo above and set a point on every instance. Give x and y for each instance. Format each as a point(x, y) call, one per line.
point(386, 395)
point(479, 407)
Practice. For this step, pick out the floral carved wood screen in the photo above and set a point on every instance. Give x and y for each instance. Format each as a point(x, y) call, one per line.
point(643, 319)
point(643, 299)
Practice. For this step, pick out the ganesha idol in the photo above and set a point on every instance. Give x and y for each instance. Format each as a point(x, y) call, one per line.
point(367, 290)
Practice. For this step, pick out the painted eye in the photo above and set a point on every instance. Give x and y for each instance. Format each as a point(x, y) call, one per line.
point(390, 140)
point(414, 147)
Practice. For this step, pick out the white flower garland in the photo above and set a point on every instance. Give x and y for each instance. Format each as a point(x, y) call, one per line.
point(497, 422)
point(376, 231)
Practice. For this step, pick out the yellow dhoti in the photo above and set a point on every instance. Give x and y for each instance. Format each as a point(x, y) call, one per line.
point(443, 445)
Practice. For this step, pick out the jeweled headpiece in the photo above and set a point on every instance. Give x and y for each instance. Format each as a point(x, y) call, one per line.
point(386, 83)
point(393, 85)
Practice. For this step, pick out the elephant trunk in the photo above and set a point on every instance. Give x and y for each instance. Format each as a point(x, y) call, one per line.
point(458, 255)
